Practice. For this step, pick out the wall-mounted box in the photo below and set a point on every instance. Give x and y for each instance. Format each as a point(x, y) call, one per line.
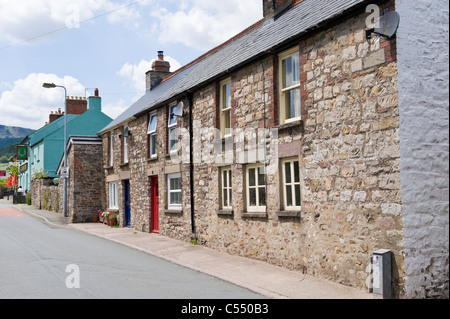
point(382, 274)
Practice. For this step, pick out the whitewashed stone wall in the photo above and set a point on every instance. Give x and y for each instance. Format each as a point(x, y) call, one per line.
point(423, 64)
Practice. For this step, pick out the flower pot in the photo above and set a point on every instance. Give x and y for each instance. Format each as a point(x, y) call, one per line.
point(111, 222)
point(95, 219)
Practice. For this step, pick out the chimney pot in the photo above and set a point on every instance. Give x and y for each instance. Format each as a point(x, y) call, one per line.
point(159, 70)
point(96, 92)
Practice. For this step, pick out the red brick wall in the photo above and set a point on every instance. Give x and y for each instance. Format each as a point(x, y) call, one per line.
point(76, 106)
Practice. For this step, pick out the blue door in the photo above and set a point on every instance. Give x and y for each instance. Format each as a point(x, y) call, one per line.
point(127, 200)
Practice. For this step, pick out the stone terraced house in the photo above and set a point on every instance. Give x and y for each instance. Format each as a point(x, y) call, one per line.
point(301, 143)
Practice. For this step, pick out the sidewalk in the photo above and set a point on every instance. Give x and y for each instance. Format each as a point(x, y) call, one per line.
point(260, 277)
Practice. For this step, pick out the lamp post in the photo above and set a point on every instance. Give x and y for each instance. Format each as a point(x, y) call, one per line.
point(52, 86)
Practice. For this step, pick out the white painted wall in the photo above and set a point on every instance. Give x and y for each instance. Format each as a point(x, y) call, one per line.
point(423, 62)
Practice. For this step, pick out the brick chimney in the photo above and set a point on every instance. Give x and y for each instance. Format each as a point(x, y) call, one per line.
point(54, 116)
point(160, 69)
point(76, 105)
point(272, 8)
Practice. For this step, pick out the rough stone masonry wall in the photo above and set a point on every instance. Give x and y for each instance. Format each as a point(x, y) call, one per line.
point(140, 170)
point(116, 172)
point(423, 58)
point(85, 187)
point(351, 153)
point(139, 187)
point(172, 224)
point(45, 195)
point(349, 149)
point(350, 162)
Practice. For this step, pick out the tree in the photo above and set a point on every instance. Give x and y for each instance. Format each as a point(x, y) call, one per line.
point(13, 170)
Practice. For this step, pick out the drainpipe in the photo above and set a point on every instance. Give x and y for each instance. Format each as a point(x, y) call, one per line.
point(191, 161)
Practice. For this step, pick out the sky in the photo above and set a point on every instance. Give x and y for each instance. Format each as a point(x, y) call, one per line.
point(104, 44)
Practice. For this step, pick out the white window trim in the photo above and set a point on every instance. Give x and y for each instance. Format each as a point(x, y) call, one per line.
point(125, 146)
point(151, 134)
point(223, 111)
point(111, 149)
point(282, 96)
point(171, 127)
point(257, 208)
point(292, 184)
point(170, 206)
point(113, 195)
point(228, 189)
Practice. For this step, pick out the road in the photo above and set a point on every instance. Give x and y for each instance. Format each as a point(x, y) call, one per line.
point(46, 261)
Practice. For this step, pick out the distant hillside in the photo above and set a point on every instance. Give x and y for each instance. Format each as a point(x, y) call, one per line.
point(11, 135)
point(6, 152)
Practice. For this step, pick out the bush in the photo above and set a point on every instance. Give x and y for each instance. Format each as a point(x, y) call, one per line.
point(28, 198)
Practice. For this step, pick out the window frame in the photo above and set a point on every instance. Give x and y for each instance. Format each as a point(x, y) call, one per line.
point(172, 127)
point(225, 112)
point(293, 184)
point(151, 134)
point(113, 195)
point(126, 157)
point(284, 91)
point(111, 149)
point(226, 189)
point(170, 206)
point(257, 187)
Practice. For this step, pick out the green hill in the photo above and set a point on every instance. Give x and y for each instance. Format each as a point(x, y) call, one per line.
point(11, 134)
point(9, 137)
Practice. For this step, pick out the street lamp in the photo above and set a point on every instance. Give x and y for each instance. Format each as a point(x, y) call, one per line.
point(52, 86)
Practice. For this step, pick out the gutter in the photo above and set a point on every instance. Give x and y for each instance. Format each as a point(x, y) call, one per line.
point(189, 97)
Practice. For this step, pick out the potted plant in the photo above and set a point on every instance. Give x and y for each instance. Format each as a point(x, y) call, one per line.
point(111, 219)
point(103, 216)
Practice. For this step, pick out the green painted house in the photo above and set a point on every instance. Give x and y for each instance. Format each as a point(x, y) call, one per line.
point(46, 145)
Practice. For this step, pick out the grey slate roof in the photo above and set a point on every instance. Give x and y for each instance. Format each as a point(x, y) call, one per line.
point(149, 99)
point(296, 21)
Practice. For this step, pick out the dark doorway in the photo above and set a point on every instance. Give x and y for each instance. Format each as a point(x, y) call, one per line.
point(127, 203)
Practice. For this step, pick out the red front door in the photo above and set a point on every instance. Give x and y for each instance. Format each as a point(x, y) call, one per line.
point(154, 195)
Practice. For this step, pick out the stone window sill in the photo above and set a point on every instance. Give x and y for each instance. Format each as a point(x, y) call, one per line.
point(108, 167)
point(152, 159)
point(225, 212)
point(295, 124)
point(123, 165)
point(254, 215)
point(289, 214)
point(172, 211)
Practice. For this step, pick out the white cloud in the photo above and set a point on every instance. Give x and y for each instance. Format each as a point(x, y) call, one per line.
point(28, 104)
point(22, 20)
point(135, 73)
point(113, 110)
point(203, 24)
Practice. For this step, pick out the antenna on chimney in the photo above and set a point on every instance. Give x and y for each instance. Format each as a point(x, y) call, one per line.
point(86, 92)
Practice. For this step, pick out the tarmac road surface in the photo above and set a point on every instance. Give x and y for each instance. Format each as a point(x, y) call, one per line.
point(40, 260)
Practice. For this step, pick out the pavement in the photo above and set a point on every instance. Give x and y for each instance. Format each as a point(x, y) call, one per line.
point(260, 277)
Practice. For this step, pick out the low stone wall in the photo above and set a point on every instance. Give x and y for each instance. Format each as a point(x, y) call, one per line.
point(46, 195)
